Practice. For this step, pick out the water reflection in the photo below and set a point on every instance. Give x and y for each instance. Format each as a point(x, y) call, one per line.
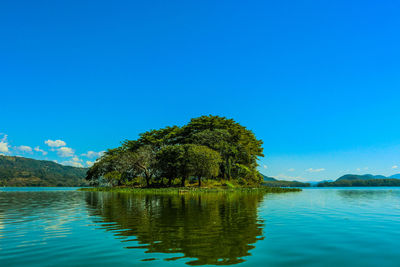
point(208, 228)
point(32, 218)
point(367, 194)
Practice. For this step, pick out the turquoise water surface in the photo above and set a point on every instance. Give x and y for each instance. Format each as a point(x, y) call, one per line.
point(315, 227)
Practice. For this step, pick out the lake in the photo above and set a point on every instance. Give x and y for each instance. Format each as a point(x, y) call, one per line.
point(315, 227)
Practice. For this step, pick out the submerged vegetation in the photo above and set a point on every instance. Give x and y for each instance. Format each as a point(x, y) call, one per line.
point(209, 149)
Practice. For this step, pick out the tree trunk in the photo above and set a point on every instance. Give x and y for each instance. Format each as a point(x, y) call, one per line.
point(199, 179)
point(169, 181)
point(183, 181)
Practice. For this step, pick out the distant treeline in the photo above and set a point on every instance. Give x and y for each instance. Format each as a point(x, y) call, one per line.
point(371, 182)
point(19, 171)
point(281, 183)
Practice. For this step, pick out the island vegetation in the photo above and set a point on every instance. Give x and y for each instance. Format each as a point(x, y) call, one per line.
point(209, 151)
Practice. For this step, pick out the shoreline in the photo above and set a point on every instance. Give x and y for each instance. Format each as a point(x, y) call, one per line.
point(190, 190)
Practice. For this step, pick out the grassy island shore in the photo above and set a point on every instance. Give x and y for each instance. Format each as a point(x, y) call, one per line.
point(189, 190)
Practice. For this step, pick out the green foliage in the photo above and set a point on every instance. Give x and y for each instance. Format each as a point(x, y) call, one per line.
point(281, 183)
point(202, 161)
point(208, 147)
point(19, 171)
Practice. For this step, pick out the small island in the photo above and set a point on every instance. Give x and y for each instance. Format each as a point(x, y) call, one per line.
point(210, 152)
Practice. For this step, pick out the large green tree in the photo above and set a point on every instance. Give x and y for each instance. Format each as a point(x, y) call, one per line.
point(208, 146)
point(235, 143)
point(203, 162)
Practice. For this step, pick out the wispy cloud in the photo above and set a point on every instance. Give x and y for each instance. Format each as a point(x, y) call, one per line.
point(55, 143)
point(395, 167)
point(76, 159)
point(37, 149)
point(288, 177)
point(65, 152)
point(315, 170)
point(265, 166)
point(291, 170)
point(93, 154)
point(4, 144)
point(24, 149)
point(72, 163)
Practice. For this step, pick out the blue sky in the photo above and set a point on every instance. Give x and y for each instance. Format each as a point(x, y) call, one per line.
point(317, 81)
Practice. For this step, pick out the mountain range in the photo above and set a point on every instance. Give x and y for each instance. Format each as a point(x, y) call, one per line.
point(367, 177)
point(20, 171)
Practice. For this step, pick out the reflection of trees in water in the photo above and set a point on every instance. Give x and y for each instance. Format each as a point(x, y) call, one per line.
point(214, 228)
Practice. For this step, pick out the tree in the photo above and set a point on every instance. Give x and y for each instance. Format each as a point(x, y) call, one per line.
point(107, 167)
point(143, 162)
point(203, 162)
point(235, 143)
point(170, 162)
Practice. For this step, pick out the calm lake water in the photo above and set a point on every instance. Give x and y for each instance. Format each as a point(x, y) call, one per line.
point(315, 227)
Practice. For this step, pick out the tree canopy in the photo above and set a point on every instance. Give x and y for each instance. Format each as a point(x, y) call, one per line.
point(208, 147)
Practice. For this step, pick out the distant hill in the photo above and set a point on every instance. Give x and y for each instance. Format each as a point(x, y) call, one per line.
point(267, 178)
point(362, 177)
point(349, 180)
point(272, 182)
point(367, 177)
point(19, 171)
point(360, 182)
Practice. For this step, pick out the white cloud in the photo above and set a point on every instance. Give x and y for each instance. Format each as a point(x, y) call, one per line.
point(4, 147)
point(265, 166)
point(93, 154)
point(40, 150)
point(76, 159)
point(4, 144)
point(25, 149)
point(358, 169)
point(72, 163)
point(395, 167)
point(291, 170)
point(55, 143)
point(89, 163)
point(315, 170)
point(65, 152)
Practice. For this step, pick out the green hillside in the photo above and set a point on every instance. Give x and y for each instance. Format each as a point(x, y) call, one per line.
point(361, 177)
point(19, 171)
point(272, 182)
